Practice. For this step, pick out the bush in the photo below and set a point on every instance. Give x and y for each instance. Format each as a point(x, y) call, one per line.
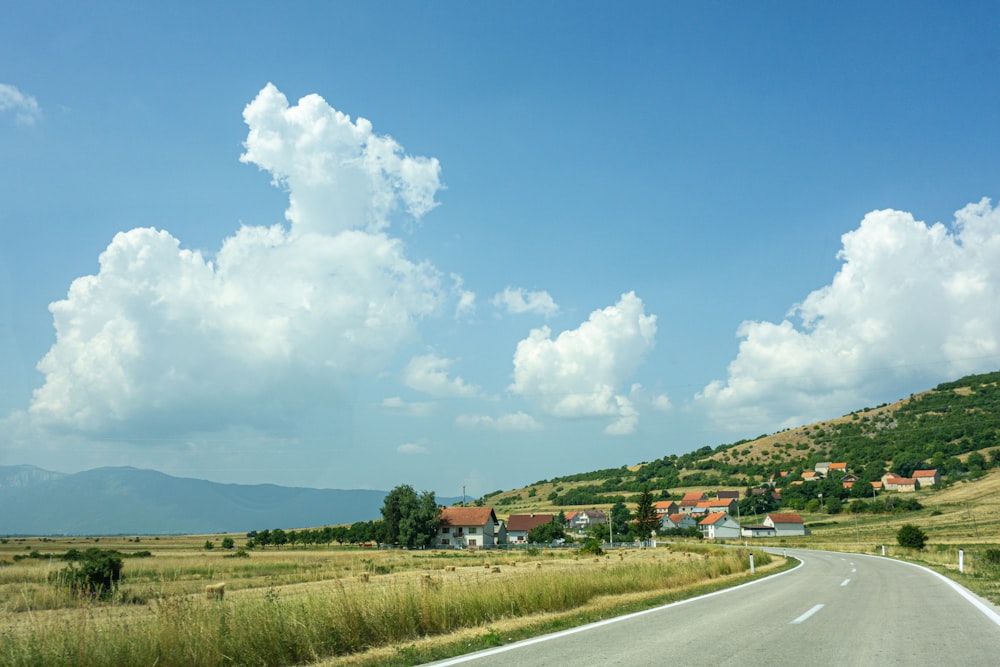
point(591, 546)
point(94, 572)
point(911, 537)
point(992, 556)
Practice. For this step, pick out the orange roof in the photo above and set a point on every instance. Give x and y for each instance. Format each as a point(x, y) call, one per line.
point(676, 518)
point(876, 485)
point(466, 516)
point(714, 517)
point(925, 473)
point(838, 466)
point(663, 504)
point(796, 482)
point(785, 518)
point(693, 496)
point(809, 474)
point(848, 485)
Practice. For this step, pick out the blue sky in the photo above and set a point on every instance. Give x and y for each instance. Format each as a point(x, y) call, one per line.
point(456, 244)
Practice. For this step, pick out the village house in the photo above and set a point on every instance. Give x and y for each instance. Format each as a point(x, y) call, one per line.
point(716, 505)
point(678, 520)
point(893, 482)
point(519, 525)
point(838, 467)
point(583, 520)
point(719, 526)
point(727, 494)
point(467, 528)
point(811, 476)
point(821, 469)
point(758, 531)
point(927, 477)
point(786, 524)
point(689, 503)
point(666, 507)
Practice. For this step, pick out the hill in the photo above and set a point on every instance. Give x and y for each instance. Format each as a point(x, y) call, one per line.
point(953, 427)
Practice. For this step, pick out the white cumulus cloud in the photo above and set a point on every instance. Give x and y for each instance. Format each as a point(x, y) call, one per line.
point(25, 107)
point(318, 154)
point(910, 301)
point(582, 372)
point(407, 408)
point(519, 301)
point(163, 338)
point(429, 373)
point(412, 448)
point(518, 421)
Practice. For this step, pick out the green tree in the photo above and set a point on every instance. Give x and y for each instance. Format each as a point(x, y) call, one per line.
point(419, 525)
point(208, 545)
point(227, 543)
point(834, 505)
point(646, 519)
point(976, 461)
point(620, 518)
point(409, 520)
point(911, 537)
point(547, 532)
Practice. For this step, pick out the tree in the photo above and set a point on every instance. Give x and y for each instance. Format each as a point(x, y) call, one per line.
point(646, 520)
point(227, 543)
point(547, 532)
point(911, 537)
point(409, 520)
point(834, 505)
point(620, 517)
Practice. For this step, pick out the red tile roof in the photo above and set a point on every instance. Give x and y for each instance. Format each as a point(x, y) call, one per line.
point(838, 466)
point(527, 522)
point(693, 497)
point(714, 517)
point(466, 516)
point(785, 518)
point(925, 473)
point(677, 518)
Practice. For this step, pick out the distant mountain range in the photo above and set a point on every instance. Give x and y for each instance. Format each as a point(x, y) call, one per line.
point(131, 501)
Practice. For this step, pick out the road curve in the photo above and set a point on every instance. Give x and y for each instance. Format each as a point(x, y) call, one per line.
point(834, 608)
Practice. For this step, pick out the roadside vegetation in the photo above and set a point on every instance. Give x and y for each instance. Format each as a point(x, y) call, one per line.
point(285, 607)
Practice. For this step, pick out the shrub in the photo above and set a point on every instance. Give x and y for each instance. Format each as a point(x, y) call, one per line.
point(911, 537)
point(591, 546)
point(992, 556)
point(95, 572)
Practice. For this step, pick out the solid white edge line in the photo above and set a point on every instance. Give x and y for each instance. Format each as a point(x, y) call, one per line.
point(608, 621)
point(806, 615)
point(969, 596)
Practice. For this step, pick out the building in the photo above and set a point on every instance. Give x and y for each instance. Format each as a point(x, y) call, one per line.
point(467, 528)
point(719, 526)
point(581, 521)
point(666, 507)
point(927, 477)
point(678, 520)
point(758, 531)
point(893, 482)
point(519, 525)
point(786, 524)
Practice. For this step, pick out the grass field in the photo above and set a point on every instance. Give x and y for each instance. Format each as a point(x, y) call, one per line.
point(359, 607)
point(285, 607)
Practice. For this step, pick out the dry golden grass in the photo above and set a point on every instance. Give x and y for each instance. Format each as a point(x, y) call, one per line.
point(323, 601)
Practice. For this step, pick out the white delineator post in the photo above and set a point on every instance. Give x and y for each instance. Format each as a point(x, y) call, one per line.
point(961, 560)
point(751, 564)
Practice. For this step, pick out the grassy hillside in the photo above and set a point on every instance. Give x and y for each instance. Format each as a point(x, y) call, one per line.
point(954, 427)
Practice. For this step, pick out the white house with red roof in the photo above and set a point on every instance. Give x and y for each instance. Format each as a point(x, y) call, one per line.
point(467, 528)
point(786, 524)
point(719, 526)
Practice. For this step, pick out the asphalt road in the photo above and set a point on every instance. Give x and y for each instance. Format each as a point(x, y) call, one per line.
point(833, 609)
